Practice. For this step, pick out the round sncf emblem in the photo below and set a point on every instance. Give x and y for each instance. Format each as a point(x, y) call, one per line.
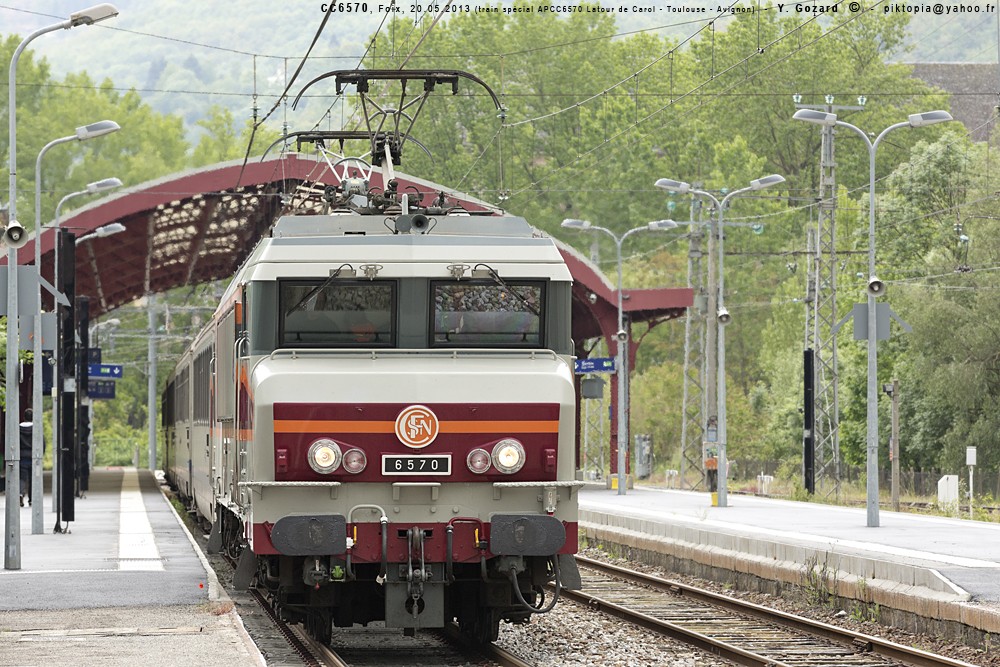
point(416, 426)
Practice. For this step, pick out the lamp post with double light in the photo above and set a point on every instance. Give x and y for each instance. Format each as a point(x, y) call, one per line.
point(875, 286)
point(722, 316)
point(14, 235)
point(622, 334)
point(83, 133)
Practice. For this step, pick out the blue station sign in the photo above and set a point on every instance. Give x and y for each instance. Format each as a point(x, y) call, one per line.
point(105, 371)
point(594, 365)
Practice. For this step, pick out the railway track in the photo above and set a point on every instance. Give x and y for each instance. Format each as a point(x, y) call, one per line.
point(743, 632)
point(388, 647)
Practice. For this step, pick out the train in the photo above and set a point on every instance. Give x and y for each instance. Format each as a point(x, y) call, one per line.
point(378, 421)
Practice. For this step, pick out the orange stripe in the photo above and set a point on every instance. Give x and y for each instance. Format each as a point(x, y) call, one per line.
point(500, 426)
point(321, 426)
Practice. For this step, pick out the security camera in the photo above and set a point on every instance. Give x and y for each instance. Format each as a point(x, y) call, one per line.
point(876, 287)
point(15, 236)
point(724, 317)
point(622, 335)
point(592, 298)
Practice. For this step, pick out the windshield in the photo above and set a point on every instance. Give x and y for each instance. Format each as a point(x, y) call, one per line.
point(337, 314)
point(480, 315)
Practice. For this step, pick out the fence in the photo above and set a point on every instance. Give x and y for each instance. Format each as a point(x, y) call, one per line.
point(920, 483)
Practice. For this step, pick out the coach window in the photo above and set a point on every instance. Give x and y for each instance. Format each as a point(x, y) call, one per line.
point(337, 313)
point(470, 314)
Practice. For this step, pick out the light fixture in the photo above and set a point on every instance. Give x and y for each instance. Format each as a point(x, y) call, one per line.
point(928, 118)
point(92, 15)
point(508, 456)
point(478, 461)
point(817, 117)
point(571, 223)
point(829, 99)
point(679, 187)
point(103, 185)
point(862, 99)
point(355, 460)
point(766, 181)
point(797, 98)
point(658, 225)
point(324, 456)
point(109, 229)
point(98, 129)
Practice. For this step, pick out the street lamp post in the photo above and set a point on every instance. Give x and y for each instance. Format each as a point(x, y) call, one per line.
point(722, 316)
point(875, 286)
point(83, 133)
point(12, 547)
point(622, 334)
point(102, 185)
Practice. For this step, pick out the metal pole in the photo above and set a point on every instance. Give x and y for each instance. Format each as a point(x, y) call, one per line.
point(723, 462)
point(57, 375)
point(721, 382)
point(872, 441)
point(37, 444)
point(12, 534)
point(895, 445)
point(622, 343)
point(151, 406)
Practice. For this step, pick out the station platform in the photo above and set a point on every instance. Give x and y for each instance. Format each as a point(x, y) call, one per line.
point(924, 573)
point(126, 583)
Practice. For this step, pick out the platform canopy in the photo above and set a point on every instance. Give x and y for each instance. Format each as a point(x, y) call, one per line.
point(200, 225)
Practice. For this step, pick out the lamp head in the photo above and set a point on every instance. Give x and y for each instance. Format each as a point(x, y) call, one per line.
point(103, 185)
point(766, 181)
point(109, 229)
point(658, 225)
point(98, 129)
point(93, 14)
point(929, 118)
point(669, 184)
point(570, 223)
point(817, 117)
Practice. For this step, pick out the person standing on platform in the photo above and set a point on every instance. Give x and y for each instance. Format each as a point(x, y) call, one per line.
point(25, 463)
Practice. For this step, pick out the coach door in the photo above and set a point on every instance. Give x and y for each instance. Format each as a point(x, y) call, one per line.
point(224, 433)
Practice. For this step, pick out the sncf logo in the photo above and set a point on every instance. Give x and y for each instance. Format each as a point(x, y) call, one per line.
point(416, 426)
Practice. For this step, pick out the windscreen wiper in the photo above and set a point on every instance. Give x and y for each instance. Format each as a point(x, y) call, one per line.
point(316, 290)
point(499, 281)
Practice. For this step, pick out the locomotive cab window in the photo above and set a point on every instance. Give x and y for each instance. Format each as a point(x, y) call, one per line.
point(321, 313)
point(472, 314)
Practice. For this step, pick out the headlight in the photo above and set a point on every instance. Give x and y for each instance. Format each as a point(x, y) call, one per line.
point(324, 456)
point(355, 461)
point(508, 456)
point(478, 461)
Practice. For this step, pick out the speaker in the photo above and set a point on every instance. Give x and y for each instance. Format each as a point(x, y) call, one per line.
point(15, 236)
point(876, 287)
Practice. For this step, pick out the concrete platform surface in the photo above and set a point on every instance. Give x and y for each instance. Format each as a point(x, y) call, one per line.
point(125, 585)
point(939, 566)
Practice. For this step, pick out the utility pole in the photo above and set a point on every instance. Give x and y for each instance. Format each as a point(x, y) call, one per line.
point(692, 424)
point(893, 391)
point(826, 407)
point(151, 373)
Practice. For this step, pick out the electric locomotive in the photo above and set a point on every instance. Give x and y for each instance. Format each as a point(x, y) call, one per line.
point(379, 421)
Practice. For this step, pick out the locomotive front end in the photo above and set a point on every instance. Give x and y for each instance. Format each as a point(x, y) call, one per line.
point(408, 436)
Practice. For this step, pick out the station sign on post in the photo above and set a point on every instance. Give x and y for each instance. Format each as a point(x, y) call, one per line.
point(105, 371)
point(101, 389)
point(595, 365)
